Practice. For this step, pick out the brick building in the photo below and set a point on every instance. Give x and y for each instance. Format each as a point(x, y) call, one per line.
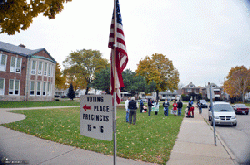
point(26, 75)
point(190, 88)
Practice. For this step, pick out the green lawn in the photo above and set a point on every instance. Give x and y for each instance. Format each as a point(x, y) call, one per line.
point(151, 139)
point(21, 104)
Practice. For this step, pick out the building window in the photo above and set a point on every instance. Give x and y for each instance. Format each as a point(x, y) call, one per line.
point(2, 86)
point(49, 70)
point(32, 88)
point(44, 88)
point(40, 67)
point(15, 64)
point(14, 87)
point(48, 89)
point(33, 67)
point(45, 69)
point(3, 59)
point(38, 88)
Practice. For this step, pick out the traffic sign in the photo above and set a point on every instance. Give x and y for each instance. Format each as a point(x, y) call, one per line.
point(212, 93)
point(96, 116)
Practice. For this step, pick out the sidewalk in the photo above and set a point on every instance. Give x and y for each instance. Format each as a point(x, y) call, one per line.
point(19, 146)
point(195, 144)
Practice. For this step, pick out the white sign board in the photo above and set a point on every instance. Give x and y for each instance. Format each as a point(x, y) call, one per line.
point(96, 116)
point(208, 93)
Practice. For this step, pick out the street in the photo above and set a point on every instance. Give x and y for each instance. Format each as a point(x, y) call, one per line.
point(236, 138)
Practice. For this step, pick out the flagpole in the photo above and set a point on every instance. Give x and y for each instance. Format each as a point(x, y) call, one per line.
point(115, 89)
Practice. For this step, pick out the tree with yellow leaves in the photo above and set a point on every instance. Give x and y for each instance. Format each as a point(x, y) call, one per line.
point(59, 78)
point(161, 70)
point(80, 67)
point(238, 82)
point(16, 15)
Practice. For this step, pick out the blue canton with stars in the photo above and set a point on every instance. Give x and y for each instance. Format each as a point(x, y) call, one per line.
point(118, 14)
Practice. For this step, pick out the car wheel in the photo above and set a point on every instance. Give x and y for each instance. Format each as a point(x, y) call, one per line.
point(209, 118)
point(235, 124)
point(211, 123)
point(246, 113)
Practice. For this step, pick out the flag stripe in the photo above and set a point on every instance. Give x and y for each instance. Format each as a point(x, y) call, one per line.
point(120, 55)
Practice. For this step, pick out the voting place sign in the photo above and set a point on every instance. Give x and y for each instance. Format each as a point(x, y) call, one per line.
point(96, 118)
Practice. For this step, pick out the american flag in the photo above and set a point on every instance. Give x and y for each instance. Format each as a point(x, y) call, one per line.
point(121, 53)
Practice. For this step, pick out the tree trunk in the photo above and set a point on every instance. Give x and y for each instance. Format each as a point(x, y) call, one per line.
point(243, 97)
point(87, 90)
point(157, 96)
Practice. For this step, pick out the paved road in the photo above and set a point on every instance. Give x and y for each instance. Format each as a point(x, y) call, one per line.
point(236, 138)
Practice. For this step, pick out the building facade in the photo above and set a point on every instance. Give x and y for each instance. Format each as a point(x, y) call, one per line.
point(190, 88)
point(216, 90)
point(26, 75)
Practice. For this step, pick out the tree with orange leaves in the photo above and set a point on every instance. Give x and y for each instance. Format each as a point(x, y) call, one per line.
point(238, 82)
point(16, 15)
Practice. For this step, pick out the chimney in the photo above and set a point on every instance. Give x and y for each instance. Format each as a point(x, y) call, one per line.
point(22, 45)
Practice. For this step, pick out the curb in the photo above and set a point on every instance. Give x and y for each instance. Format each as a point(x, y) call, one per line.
point(232, 156)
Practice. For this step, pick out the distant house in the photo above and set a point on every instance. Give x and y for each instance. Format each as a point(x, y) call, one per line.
point(190, 88)
point(26, 75)
point(217, 91)
point(169, 95)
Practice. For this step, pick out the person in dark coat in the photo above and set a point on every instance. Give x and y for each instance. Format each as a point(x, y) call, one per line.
point(132, 105)
point(141, 105)
point(166, 105)
point(179, 107)
point(199, 106)
point(149, 106)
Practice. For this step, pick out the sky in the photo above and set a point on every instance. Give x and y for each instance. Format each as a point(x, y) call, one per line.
point(203, 39)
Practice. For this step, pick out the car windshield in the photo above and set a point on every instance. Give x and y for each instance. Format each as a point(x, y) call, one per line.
point(223, 107)
point(202, 101)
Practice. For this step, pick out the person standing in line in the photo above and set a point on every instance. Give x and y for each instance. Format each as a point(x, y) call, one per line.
point(166, 105)
point(175, 107)
point(141, 105)
point(132, 105)
point(127, 109)
point(149, 106)
point(156, 104)
point(179, 107)
point(199, 106)
point(190, 103)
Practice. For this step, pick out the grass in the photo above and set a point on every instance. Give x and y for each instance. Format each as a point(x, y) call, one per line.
point(150, 140)
point(21, 104)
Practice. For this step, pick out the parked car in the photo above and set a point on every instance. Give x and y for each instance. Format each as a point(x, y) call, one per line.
point(224, 114)
point(143, 99)
point(203, 104)
point(241, 108)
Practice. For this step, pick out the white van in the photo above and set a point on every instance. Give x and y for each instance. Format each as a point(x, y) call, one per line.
point(224, 114)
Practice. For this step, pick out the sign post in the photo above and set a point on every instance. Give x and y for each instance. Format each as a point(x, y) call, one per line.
point(211, 96)
point(96, 116)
